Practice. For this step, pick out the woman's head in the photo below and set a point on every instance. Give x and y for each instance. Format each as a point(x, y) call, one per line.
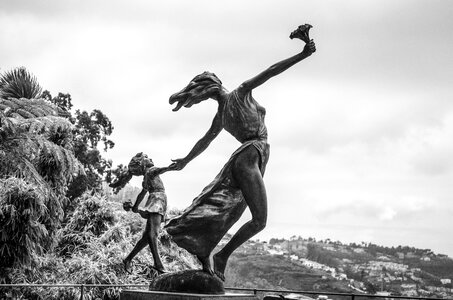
point(201, 87)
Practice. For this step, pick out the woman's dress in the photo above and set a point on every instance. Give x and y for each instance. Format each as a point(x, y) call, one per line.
point(203, 224)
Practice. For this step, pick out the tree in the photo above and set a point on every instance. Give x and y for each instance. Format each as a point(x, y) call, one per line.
point(371, 289)
point(37, 163)
point(89, 131)
point(19, 83)
point(48, 157)
point(36, 144)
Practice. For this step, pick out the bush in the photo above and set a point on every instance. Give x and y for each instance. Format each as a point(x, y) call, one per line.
point(22, 232)
point(91, 247)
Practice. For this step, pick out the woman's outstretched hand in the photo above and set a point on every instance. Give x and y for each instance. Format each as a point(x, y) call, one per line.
point(178, 164)
point(309, 48)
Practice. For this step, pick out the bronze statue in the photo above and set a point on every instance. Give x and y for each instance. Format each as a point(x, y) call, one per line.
point(154, 209)
point(240, 182)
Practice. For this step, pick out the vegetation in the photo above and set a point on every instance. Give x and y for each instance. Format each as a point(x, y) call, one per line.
point(19, 83)
point(89, 130)
point(57, 223)
point(37, 163)
point(90, 249)
point(321, 255)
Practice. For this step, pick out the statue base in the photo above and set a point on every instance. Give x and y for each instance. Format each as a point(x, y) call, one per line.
point(188, 281)
point(157, 295)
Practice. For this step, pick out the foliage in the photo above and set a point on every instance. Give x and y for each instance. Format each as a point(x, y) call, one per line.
point(90, 130)
point(19, 83)
point(22, 230)
point(91, 218)
point(36, 153)
point(269, 272)
point(97, 256)
point(321, 255)
point(274, 241)
point(35, 143)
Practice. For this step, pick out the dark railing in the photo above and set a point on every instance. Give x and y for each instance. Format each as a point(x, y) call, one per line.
point(83, 287)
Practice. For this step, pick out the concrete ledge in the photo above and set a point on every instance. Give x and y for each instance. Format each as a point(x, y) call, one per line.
point(155, 295)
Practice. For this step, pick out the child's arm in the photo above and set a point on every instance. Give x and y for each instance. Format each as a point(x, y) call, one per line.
point(139, 200)
point(155, 171)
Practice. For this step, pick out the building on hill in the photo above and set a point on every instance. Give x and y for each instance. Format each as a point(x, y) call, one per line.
point(384, 258)
point(359, 250)
point(379, 265)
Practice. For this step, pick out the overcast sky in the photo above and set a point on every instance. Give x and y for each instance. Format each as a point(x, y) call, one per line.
point(361, 132)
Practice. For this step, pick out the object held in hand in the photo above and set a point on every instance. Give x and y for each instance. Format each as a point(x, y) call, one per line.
point(301, 33)
point(127, 206)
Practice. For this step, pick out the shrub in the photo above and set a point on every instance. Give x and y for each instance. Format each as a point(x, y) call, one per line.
point(22, 232)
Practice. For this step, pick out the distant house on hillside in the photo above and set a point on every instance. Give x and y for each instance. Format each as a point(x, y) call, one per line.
point(329, 247)
point(359, 250)
point(425, 258)
point(445, 281)
point(409, 286)
point(383, 257)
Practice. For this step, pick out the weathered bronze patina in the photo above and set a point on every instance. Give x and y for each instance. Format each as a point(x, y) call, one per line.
point(240, 182)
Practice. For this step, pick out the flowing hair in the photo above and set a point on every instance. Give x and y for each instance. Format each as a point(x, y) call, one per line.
point(200, 88)
point(136, 167)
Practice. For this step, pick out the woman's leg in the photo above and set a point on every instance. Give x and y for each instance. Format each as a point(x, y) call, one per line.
point(247, 175)
point(153, 226)
point(206, 264)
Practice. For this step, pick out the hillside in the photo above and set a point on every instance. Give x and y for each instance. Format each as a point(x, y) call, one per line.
point(307, 264)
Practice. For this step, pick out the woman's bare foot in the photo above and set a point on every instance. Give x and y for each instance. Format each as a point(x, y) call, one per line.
point(127, 265)
point(219, 266)
point(206, 264)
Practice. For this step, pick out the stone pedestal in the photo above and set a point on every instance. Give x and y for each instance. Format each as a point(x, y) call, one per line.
point(188, 281)
point(155, 295)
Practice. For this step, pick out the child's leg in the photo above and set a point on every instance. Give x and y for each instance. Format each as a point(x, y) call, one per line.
point(153, 226)
point(138, 247)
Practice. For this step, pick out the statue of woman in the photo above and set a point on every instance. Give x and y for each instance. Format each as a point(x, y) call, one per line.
point(240, 182)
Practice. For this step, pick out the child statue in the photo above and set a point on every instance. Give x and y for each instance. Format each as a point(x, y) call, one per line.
point(154, 209)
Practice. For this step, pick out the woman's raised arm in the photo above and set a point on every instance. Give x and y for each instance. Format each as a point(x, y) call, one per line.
point(200, 146)
point(276, 69)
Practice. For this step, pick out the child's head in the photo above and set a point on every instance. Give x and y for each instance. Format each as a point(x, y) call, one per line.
point(139, 163)
point(137, 167)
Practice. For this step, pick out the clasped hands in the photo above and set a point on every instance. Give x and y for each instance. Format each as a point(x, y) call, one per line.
point(177, 165)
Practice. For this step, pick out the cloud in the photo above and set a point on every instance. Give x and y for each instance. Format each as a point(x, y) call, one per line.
point(360, 132)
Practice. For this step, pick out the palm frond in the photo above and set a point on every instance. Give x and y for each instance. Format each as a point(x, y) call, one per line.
point(31, 108)
point(19, 83)
point(47, 124)
point(29, 153)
